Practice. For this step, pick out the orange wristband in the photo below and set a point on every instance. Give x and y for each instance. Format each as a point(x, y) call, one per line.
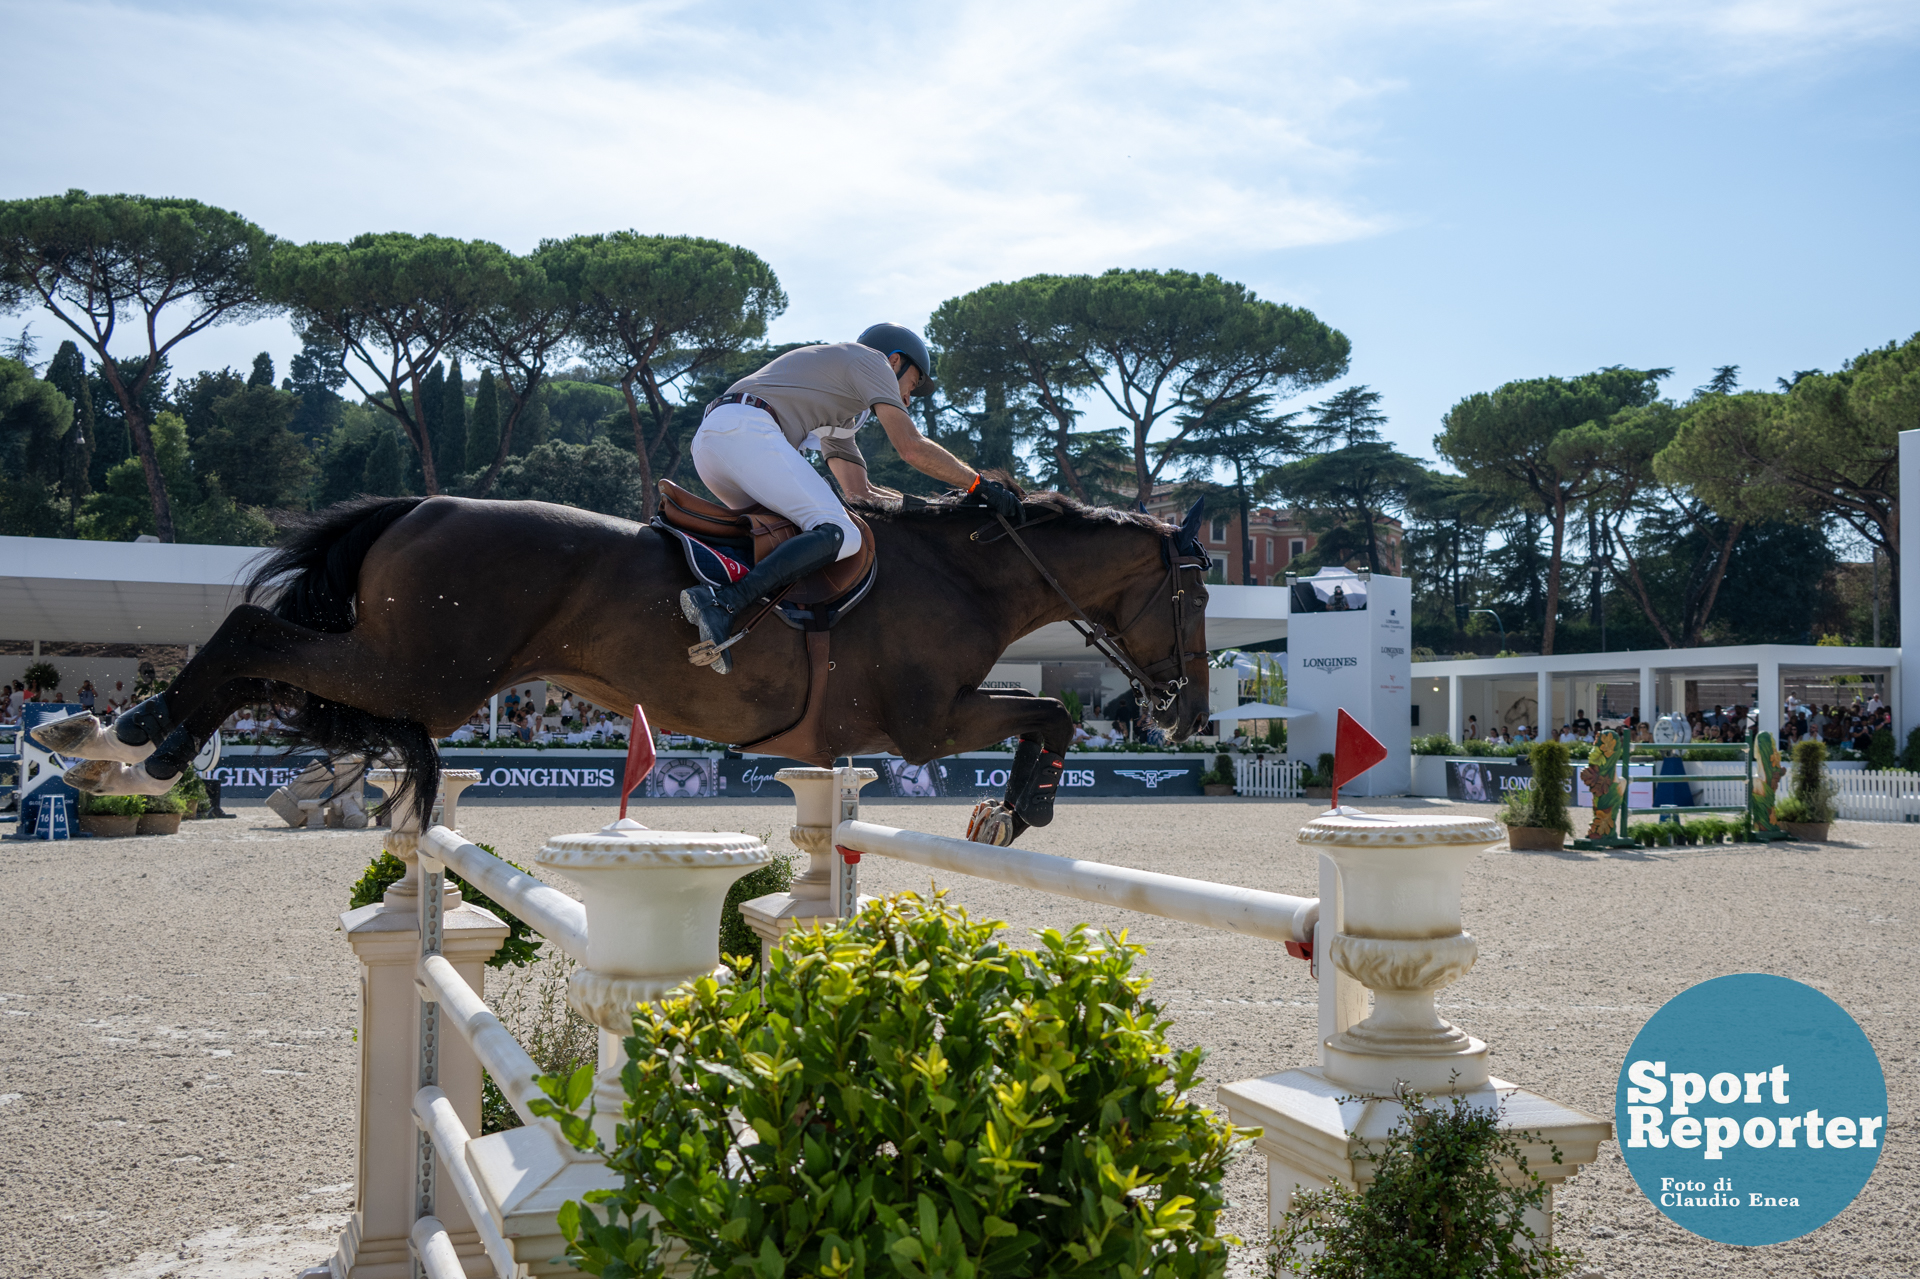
point(977, 478)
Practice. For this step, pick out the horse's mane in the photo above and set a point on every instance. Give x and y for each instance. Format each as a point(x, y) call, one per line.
point(1058, 509)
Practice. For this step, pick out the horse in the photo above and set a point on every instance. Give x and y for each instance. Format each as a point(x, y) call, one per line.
point(395, 617)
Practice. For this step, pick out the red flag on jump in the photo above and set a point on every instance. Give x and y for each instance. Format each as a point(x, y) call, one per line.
point(640, 756)
point(1355, 750)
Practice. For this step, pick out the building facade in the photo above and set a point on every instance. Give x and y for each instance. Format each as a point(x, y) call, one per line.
point(1280, 536)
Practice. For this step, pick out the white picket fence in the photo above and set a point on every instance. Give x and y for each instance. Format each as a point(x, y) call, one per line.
point(1266, 778)
point(1859, 795)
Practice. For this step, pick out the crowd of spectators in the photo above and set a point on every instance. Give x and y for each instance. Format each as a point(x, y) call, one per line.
point(1851, 726)
point(15, 697)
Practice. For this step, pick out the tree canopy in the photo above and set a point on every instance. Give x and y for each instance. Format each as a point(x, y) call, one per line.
point(1505, 441)
point(169, 268)
point(657, 310)
point(394, 303)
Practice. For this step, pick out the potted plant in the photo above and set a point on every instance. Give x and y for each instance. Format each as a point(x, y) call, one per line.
point(111, 816)
point(161, 814)
point(1317, 783)
point(1536, 814)
point(1807, 812)
point(1219, 780)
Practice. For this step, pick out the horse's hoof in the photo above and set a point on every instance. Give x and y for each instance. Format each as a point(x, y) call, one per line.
point(111, 777)
point(84, 737)
point(991, 823)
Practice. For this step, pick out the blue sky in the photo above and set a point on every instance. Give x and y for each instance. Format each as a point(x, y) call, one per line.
point(1473, 191)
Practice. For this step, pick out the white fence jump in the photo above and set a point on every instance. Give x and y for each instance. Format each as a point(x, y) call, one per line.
point(1266, 778)
point(649, 921)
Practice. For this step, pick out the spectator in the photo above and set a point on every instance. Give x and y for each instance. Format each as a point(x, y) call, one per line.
point(1473, 728)
point(1582, 726)
point(86, 696)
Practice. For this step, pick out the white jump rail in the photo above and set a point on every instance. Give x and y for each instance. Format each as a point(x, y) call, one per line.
point(1250, 911)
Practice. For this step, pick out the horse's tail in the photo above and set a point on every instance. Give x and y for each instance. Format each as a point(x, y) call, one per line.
point(311, 579)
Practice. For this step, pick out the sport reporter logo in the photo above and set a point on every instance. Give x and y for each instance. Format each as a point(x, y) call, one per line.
point(1751, 1109)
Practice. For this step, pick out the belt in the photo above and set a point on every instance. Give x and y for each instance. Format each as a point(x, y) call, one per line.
point(751, 401)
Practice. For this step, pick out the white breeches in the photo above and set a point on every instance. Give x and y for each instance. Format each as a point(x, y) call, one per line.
point(742, 456)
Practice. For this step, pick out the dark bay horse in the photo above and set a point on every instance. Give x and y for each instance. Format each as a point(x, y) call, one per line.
point(396, 617)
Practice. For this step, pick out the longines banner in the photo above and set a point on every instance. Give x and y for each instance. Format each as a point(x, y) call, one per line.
point(254, 773)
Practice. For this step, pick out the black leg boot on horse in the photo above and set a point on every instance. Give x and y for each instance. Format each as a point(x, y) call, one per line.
point(1032, 785)
point(714, 611)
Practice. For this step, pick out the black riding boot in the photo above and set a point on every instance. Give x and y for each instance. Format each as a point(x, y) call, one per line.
point(713, 610)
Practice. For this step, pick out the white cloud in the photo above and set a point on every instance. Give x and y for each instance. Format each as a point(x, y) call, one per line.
point(880, 159)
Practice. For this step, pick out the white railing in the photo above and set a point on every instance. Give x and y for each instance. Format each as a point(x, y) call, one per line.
point(1274, 916)
point(1266, 778)
point(1889, 796)
point(1859, 795)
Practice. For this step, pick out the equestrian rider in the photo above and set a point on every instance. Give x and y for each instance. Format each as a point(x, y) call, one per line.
point(748, 450)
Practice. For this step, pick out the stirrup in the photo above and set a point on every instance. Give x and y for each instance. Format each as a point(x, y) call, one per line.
point(706, 652)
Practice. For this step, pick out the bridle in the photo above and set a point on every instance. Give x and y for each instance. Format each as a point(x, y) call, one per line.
point(1157, 693)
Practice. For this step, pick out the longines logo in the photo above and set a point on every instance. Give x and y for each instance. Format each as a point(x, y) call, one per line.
point(1327, 665)
point(1393, 652)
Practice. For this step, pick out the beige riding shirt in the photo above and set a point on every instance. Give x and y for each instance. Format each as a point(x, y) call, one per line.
point(823, 395)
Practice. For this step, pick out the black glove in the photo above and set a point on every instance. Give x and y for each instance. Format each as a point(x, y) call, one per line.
point(996, 497)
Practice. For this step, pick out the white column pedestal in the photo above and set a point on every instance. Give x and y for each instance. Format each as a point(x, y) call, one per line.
point(1390, 922)
point(386, 940)
point(816, 892)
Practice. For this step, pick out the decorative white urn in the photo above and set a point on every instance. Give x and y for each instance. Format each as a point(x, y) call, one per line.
point(1390, 919)
point(653, 900)
point(1402, 939)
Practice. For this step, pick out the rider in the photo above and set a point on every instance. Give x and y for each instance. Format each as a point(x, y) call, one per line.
point(747, 451)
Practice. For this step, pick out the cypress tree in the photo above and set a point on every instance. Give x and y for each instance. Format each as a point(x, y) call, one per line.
point(262, 374)
point(450, 429)
point(483, 434)
point(381, 477)
point(426, 404)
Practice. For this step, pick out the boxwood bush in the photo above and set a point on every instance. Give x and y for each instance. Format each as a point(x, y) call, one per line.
point(908, 1095)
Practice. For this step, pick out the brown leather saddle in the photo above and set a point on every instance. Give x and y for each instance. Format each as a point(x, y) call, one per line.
point(812, 604)
point(837, 587)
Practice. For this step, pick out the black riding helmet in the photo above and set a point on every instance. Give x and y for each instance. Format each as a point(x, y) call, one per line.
point(897, 339)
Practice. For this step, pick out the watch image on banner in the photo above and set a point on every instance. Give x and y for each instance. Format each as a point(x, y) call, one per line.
point(1751, 1109)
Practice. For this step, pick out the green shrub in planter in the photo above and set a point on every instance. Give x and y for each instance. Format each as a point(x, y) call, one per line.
point(908, 1095)
point(112, 805)
point(1812, 790)
point(1476, 746)
point(1221, 774)
point(1439, 1205)
point(1542, 802)
point(167, 803)
point(1435, 744)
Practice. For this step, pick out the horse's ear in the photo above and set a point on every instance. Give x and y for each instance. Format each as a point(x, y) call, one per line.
point(1190, 526)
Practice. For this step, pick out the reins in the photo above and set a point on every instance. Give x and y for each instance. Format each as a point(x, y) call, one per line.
point(1099, 637)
